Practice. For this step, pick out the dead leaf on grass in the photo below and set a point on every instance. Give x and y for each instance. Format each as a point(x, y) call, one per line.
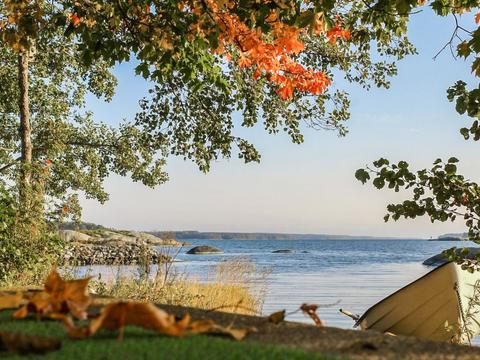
point(11, 301)
point(277, 317)
point(27, 344)
point(210, 327)
point(116, 316)
point(58, 296)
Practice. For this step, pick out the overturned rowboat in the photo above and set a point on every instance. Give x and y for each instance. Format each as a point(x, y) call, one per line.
point(443, 305)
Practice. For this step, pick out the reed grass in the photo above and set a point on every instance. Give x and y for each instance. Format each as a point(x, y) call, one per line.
point(235, 285)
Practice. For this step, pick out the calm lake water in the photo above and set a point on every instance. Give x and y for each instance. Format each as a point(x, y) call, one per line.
point(355, 273)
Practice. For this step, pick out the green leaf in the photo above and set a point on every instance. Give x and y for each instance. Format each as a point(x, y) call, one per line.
point(362, 175)
point(379, 182)
point(450, 169)
point(465, 132)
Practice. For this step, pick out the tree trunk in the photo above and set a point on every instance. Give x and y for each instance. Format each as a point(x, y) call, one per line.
point(25, 128)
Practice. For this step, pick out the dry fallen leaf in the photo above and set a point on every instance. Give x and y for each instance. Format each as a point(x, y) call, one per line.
point(11, 301)
point(58, 296)
point(310, 310)
point(277, 317)
point(210, 327)
point(118, 315)
point(146, 315)
point(26, 344)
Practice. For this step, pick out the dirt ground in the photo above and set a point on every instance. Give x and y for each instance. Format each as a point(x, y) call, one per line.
point(350, 344)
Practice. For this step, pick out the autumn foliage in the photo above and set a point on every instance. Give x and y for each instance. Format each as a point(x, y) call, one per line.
point(274, 56)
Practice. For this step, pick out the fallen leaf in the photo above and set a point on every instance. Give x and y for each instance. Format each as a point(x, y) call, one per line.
point(118, 315)
point(311, 310)
point(11, 301)
point(58, 296)
point(27, 344)
point(277, 317)
point(210, 327)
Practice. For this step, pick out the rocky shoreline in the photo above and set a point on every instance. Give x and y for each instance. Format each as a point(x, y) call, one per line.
point(107, 247)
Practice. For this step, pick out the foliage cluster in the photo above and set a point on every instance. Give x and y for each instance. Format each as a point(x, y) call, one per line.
point(28, 247)
point(440, 192)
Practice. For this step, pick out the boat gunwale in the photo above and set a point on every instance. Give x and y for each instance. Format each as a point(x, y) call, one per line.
point(361, 318)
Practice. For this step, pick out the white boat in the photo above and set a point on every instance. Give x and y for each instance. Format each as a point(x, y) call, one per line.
point(443, 305)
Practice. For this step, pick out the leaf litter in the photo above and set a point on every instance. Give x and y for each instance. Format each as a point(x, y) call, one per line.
point(69, 300)
point(309, 310)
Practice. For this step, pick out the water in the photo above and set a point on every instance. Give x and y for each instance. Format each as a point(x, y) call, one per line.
point(355, 273)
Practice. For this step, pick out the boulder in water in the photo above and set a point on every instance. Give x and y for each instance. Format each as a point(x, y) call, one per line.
point(204, 249)
point(282, 251)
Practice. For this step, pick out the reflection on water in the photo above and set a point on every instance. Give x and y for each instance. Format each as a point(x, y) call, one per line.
point(358, 273)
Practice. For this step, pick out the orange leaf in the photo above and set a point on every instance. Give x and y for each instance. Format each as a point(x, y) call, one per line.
point(477, 18)
point(59, 296)
point(285, 92)
point(75, 19)
point(118, 315)
point(311, 310)
point(210, 327)
point(244, 62)
point(10, 301)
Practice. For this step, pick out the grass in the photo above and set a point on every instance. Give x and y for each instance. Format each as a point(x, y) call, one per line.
point(233, 286)
point(141, 344)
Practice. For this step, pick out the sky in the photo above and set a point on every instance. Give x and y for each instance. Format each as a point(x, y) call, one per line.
point(308, 188)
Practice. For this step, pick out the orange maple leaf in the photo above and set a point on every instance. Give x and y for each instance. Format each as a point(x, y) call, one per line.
point(477, 18)
point(337, 32)
point(285, 92)
point(58, 296)
point(75, 19)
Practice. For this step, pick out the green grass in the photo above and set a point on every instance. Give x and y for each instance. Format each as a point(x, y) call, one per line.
point(140, 344)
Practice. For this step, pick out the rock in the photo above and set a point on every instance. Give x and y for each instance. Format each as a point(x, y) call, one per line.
point(72, 235)
point(155, 240)
point(109, 247)
point(106, 236)
point(440, 260)
point(80, 254)
point(204, 249)
point(282, 251)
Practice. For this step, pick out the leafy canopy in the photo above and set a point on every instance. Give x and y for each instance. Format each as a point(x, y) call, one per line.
point(209, 62)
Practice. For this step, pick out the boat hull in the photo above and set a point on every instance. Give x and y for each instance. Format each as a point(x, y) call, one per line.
point(441, 306)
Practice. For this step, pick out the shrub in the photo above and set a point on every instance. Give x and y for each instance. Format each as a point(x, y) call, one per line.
point(28, 247)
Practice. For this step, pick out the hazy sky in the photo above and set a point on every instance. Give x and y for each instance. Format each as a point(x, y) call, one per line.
point(308, 188)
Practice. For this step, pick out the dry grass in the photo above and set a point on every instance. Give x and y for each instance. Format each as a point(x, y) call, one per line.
point(232, 286)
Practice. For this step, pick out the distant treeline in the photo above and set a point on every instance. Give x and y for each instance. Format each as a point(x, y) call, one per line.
point(452, 237)
point(80, 226)
point(197, 235)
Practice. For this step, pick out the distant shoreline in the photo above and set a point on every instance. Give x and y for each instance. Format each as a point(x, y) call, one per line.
point(231, 235)
point(198, 235)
